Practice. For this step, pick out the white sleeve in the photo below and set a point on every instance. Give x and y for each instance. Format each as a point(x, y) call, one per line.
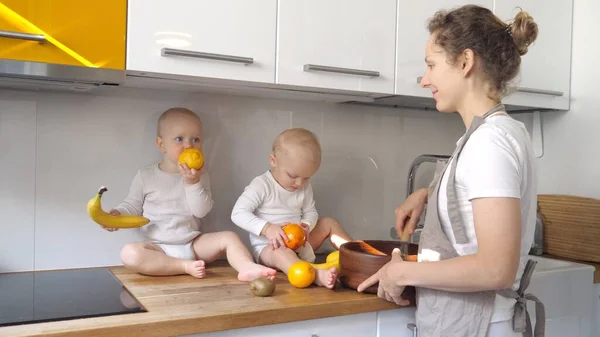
point(132, 205)
point(489, 165)
point(309, 211)
point(199, 197)
point(243, 210)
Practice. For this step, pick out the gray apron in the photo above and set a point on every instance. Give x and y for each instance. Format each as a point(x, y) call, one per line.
point(459, 314)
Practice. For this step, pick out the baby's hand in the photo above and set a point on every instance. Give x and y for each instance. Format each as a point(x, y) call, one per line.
point(306, 231)
point(113, 212)
point(276, 235)
point(190, 176)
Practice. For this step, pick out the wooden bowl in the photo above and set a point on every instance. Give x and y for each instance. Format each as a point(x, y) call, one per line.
point(362, 258)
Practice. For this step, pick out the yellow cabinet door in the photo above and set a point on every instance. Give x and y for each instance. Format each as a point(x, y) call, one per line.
point(89, 33)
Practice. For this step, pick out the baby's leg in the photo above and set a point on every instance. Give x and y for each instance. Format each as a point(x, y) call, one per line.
point(283, 258)
point(149, 259)
point(210, 246)
point(328, 228)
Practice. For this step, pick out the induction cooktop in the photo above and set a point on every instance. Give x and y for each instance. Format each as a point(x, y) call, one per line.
point(46, 296)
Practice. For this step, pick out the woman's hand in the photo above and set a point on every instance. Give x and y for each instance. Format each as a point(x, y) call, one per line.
point(386, 276)
point(409, 212)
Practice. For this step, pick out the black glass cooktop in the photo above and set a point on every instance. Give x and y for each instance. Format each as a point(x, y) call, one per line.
point(45, 296)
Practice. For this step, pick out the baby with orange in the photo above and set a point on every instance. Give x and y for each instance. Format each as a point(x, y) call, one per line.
point(282, 196)
point(175, 195)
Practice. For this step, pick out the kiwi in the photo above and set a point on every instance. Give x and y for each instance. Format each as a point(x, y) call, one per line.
point(262, 286)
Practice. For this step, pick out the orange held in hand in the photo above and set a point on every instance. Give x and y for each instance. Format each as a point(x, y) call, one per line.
point(295, 234)
point(193, 158)
point(301, 274)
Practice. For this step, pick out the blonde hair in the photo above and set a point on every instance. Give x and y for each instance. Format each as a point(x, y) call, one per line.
point(169, 113)
point(300, 137)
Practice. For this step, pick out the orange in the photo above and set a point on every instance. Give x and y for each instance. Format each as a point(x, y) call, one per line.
point(301, 274)
point(192, 157)
point(295, 234)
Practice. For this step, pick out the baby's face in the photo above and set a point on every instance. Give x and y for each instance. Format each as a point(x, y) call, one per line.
point(181, 133)
point(293, 169)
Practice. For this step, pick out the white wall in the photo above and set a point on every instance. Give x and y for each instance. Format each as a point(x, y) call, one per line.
point(571, 161)
point(57, 149)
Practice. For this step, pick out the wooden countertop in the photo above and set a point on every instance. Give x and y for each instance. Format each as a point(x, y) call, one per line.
point(593, 264)
point(179, 305)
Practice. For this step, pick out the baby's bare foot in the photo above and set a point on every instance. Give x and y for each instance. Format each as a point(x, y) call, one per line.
point(254, 271)
point(326, 278)
point(195, 268)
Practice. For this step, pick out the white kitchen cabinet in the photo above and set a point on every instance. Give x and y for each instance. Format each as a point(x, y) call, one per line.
point(412, 36)
point(358, 325)
point(546, 68)
point(225, 39)
point(395, 323)
point(337, 44)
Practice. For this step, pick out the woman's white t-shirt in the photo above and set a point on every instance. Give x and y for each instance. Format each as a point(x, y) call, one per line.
point(496, 161)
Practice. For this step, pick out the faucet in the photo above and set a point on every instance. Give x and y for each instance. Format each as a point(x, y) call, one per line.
point(537, 247)
point(410, 186)
point(431, 158)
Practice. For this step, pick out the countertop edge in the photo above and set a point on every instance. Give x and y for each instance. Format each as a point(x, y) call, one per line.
point(196, 325)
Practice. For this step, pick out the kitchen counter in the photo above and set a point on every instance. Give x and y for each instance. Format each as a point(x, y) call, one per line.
point(179, 305)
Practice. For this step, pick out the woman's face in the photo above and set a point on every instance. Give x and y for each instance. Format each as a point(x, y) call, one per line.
point(445, 79)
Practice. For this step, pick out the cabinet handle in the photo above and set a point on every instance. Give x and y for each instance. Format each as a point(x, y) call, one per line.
point(359, 72)
point(527, 90)
point(210, 56)
point(413, 327)
point(23, 36)
point(540, 91)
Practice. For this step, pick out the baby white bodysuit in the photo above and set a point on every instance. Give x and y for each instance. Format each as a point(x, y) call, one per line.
point(174, 209)
point(264, 200)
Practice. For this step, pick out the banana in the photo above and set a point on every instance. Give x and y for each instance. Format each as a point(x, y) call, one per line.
point(332, 260)
point(95, 211)
point(335, 255)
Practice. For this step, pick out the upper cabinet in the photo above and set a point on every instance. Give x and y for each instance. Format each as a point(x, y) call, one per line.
point(225, 39)
point(337, 44)
point(356, 47)
point(412, 36)
point(546, 68)
point(76, 33)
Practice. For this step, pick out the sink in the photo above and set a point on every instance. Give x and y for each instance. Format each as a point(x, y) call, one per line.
point(567, 291)
point(545, 264)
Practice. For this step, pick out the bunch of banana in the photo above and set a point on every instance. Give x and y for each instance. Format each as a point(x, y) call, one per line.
point(94, 209)
point(332, 260)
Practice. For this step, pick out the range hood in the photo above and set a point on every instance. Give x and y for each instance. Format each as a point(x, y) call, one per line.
point(427, 103)
point(47, 76)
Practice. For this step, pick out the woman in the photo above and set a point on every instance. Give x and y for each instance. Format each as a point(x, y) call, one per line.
point(482, 208)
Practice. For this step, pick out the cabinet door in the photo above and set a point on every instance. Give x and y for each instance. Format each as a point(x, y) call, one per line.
point(412, 37)
point(546, 68)
point(80, 33)
point(337, 44)
point(227, 39)
point(395, 323)
point(357, 325)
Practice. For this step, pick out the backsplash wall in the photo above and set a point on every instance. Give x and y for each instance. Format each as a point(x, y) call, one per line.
point(59, 148)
